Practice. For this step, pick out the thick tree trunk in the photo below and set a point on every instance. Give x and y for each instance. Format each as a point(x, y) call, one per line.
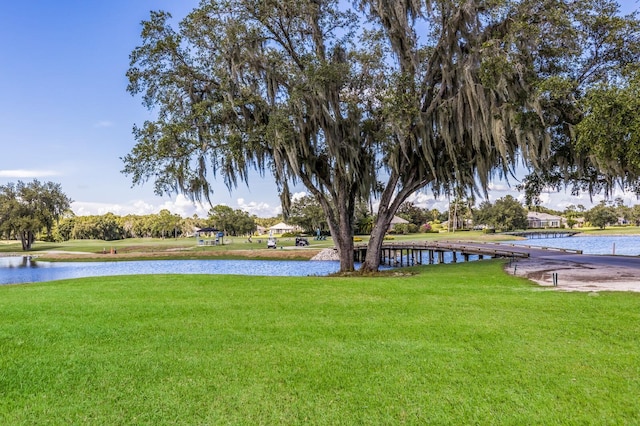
point(342, 234)
point(382, 223)
point(390, 201)
point(345, 252)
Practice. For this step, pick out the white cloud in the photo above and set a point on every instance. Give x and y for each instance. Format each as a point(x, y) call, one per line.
point(180, 205)
point(260, 209)
point(298, 195)
point(27, 174)
point(500, 187)
point(428, 201)
point(184, 207)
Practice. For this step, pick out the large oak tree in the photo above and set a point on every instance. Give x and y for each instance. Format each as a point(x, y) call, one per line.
point(383, 100)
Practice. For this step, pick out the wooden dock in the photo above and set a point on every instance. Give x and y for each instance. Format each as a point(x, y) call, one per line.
point(421, 253)
point(547, 233)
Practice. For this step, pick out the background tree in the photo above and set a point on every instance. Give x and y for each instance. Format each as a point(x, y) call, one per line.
point(623, 211)
point(107, 227)
point(364, 219)
point(230, 221)
point(571, 214)
point(307, 213)
point(506, 214)
point(414, 214)
point(484, 214)
point(188, 225)
point(167, 224)
point(509, 214)
point(635, 214)
point(28, 208)
point(64, 229)
point(459, 213)
point(221, 217)
point(245, 223)
point(602, 215)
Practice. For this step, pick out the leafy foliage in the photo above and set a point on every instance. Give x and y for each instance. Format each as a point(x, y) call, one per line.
point(589, 105)
point(610, 131)
point(602, 215)
point(506, 214)
point(307, 213)
point(28, 208)
point(232, 222)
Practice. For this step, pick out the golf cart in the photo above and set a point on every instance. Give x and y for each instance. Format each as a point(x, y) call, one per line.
point(301, 242)
point(272, 243)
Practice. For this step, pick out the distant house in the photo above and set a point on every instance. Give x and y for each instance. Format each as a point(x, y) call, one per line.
point(543, 220)
point(397, 221)
point(283, 228)
point(261, 230)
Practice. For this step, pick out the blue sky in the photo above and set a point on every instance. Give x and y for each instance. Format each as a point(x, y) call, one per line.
point(65, 114)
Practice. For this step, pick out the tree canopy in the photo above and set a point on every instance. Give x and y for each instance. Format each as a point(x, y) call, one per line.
point(381, 99)
point(602, 215)
point(232, 222)
point(506, 214)
point(26, 209)
point(306, 213)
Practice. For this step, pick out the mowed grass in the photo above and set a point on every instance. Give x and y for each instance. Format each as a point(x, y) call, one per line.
point(453, 344)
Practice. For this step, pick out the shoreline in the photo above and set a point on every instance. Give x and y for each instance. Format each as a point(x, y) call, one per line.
point(575, 276)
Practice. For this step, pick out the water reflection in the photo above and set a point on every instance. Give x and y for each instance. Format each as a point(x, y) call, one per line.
point(628, 245)
point(15, 270)
point(18, 262)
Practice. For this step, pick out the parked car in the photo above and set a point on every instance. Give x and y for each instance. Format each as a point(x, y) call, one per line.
point(272, 243)
point(301, 242)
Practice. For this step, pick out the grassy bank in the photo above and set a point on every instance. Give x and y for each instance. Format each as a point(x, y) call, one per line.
point(454, 344)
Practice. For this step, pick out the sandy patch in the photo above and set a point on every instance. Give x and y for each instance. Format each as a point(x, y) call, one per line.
point(574, 276)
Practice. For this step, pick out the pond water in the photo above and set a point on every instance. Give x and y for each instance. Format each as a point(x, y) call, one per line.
point(14, 270)
point(624, 245)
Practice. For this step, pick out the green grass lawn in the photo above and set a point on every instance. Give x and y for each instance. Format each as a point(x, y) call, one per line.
point(453, 344)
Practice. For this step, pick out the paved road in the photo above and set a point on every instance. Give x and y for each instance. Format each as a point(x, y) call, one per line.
point(595, 259)
point(559, 255)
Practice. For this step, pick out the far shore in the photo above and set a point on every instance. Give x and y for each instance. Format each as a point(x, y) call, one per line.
point(237, 247)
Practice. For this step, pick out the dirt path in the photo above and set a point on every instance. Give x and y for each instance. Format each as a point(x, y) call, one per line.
point(580, 273)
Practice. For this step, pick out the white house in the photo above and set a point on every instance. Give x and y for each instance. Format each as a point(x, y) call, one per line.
point(282, 228)
point(543, 220)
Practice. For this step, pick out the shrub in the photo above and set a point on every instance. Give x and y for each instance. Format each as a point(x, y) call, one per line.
point(428, 229)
